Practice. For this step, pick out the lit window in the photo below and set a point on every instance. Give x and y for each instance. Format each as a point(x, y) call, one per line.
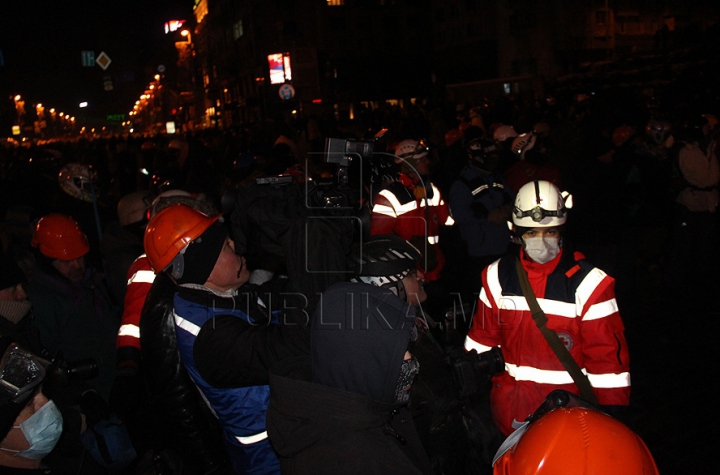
point(238, 29)
point(335, 3)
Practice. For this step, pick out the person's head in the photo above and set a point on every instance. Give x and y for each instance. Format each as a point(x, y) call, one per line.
point(77, 181)
point(60, 241)
point(539, 214)
point(659, 132)
point(194, 248)
point(413, 156)
point(390, 262)
point(132, 209)
point(30, 424)
point(566, 436)
point(14, 304)
point(503, 133)
point(360, 342)
point(482, 152)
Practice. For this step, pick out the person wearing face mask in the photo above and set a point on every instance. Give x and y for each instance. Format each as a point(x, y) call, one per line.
point(344, 409)
point(30, 424)
point(578, 300)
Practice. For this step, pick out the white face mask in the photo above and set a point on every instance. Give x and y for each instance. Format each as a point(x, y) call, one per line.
point(542, 249)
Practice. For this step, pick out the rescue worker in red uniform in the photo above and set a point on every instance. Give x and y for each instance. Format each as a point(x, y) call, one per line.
point(413, 208)
point(579, 301)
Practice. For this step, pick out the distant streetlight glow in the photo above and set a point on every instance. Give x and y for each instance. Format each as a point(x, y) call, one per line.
point(83, 104)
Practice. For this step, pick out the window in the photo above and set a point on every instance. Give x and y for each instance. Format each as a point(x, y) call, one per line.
point(237, 30)
point(335, 3)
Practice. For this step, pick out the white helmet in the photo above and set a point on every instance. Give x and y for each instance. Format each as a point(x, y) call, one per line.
point(540, 204)
point(77, 180)
point(504, 132)
point(523, 143)
point(133, 207)
point(411, 151)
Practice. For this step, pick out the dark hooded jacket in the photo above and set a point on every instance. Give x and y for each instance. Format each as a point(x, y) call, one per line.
point(335, 412)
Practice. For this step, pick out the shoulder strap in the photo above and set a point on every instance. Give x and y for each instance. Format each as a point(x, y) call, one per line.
point(571, 366)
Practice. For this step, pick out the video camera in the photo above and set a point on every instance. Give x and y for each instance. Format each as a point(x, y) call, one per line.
point(61, 372)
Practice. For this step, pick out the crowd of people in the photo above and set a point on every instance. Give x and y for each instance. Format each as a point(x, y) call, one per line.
point(171, 315)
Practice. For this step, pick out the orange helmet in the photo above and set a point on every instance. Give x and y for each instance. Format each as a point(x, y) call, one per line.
point(59, 237)
point(622, 134)
point(452, 136)
point(576, 440)
point(170, 231)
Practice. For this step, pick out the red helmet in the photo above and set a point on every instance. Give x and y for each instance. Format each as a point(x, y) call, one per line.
point(576, 440)
point(170, 231)
point(59, 237)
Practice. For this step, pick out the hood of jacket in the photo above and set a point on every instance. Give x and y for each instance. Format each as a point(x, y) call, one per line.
point(358, 339)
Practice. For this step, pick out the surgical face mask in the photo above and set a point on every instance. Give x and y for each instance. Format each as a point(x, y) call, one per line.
point(42, 430)
point(542, 249)
point(409, 369)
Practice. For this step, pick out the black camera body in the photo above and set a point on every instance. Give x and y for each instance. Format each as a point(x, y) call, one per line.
point(61, 372)
point(472, 371)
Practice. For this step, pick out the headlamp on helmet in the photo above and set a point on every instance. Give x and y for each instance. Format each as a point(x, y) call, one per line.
point(540, 204)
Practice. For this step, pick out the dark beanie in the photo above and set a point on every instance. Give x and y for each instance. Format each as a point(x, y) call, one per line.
point(202, 254)
point(10, 272)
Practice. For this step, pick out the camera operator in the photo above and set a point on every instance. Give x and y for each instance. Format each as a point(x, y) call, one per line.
point(445, 407)
point(44, 412)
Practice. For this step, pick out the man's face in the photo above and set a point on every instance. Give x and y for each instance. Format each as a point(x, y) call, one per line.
point(414, 288)
point(230, 271)
point(73, 270)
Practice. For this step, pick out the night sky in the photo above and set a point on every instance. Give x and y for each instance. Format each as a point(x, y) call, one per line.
point(42, 41)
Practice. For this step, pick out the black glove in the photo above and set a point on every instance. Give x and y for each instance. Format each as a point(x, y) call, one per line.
point(472, 371)
point(126, 394)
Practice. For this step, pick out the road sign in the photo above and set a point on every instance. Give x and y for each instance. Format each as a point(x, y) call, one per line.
point(103, 60)
point(88, 58)
point(286, 92)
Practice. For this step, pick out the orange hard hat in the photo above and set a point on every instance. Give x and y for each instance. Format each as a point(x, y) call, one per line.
point(452, 136)
point(622, 134)
point(170, 231)
point(577, 440)
point(59, 237)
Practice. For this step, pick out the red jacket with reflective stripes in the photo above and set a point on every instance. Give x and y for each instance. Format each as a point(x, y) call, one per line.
point(579, 301)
